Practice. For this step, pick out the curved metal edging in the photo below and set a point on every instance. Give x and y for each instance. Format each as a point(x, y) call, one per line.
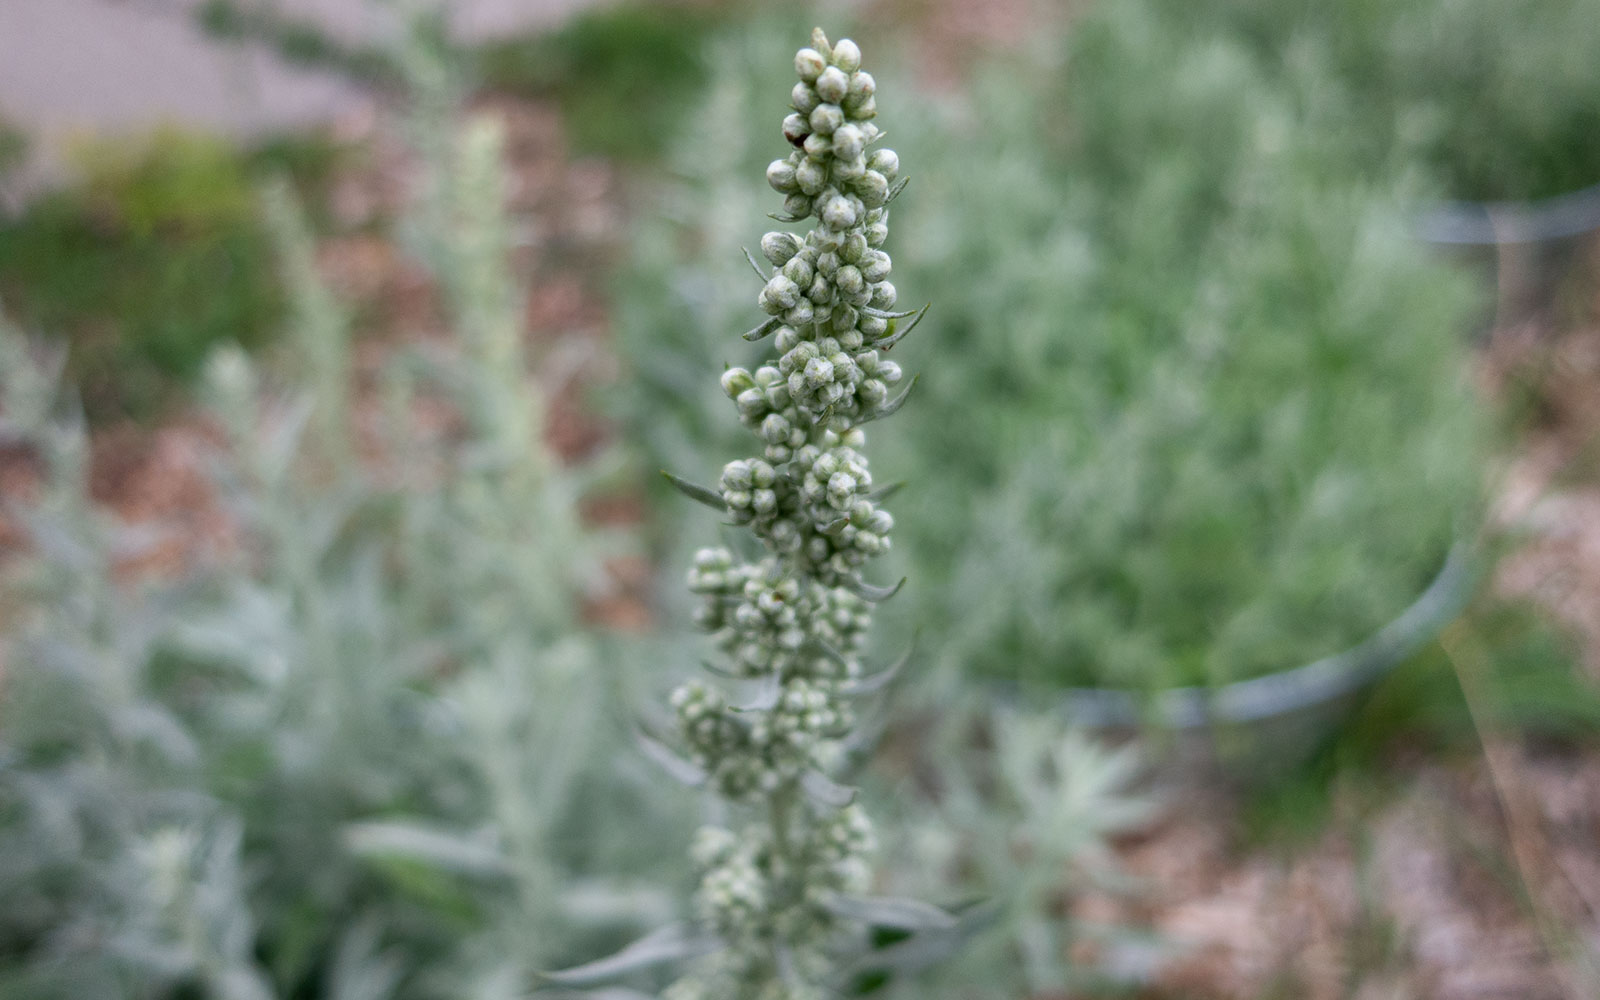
point(1289, 690)
point(1493, 223)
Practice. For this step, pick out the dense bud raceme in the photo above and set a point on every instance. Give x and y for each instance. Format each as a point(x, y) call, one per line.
point(790, 625)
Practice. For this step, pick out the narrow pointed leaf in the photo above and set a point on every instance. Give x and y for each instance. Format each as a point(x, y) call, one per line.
point(886, 314)
point(929, 947)
point(672, 943)
point(885, 911)
point(878, 681)
point(872, 592)
point(826, 791)
point(687, 772)
point(893, 405)
point(760, 272)
point(885, 492)
point(894, 192)
point(784, 217)
point(767, 695)
point(694, 491)
point(761, 331)
point(437, 847)
point(833, 654)
point(900, 334)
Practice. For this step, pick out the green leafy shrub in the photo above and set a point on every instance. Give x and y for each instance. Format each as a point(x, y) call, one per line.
point(1499, 102)
point(1233, 430)
point(156, 254)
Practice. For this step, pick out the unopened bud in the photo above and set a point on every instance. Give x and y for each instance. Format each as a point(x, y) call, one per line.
point(778, 248)
point(833, 84)
point(809, 64)
point(846, 55)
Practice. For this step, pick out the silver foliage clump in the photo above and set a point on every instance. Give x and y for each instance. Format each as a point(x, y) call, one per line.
point(360, 751)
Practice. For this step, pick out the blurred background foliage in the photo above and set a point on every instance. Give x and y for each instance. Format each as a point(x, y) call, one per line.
point(1195, 407)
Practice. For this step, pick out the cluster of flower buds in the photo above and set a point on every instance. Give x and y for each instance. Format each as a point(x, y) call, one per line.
point(791, 625)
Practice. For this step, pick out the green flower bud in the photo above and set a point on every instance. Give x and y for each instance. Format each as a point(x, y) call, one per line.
point(797, 205)
point(782, 291)
point(799, 314)
point(864, 109)
point(799, 271)
point(848, 142)
point(796, 359)
point(803, 98)
point(826, 118)
point(853, 248)
point(838, 213)
point(752, 404)
point(885, 162)
point(779, 248)
point(833, 84)
point(795, 129)
point(873, 326)
point(848, 279)
point(821, 291)
point(849, 171)
point(818, 372)
point(846, 55)
point(875, 266)
point(873, 393)
point(735, 381)
point(811, 176)
point(780, 174)
point(736, 475)
point(785, 337)
point(883, 295)
point(775, 429)
point(828, 264)
point(873, 188)
point(851, 340)
point(877, 234)
point(862, 84)
point(817, 146)
point(809, 64)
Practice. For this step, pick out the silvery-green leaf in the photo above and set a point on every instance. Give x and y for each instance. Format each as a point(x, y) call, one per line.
point(887, 911)
point(893, 405)
point(899, 334)
point(929, 947)
point(883, 493)
point(769, 690)
point(760, 272)
point(445, 849)
point(872, 592)
point(671, 943)
point(878, 681)
point(826, 791)
point(760, 332)
point(687, 772)
point(694, 491)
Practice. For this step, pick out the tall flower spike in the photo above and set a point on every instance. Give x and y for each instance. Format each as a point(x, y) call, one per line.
point(781, 893)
